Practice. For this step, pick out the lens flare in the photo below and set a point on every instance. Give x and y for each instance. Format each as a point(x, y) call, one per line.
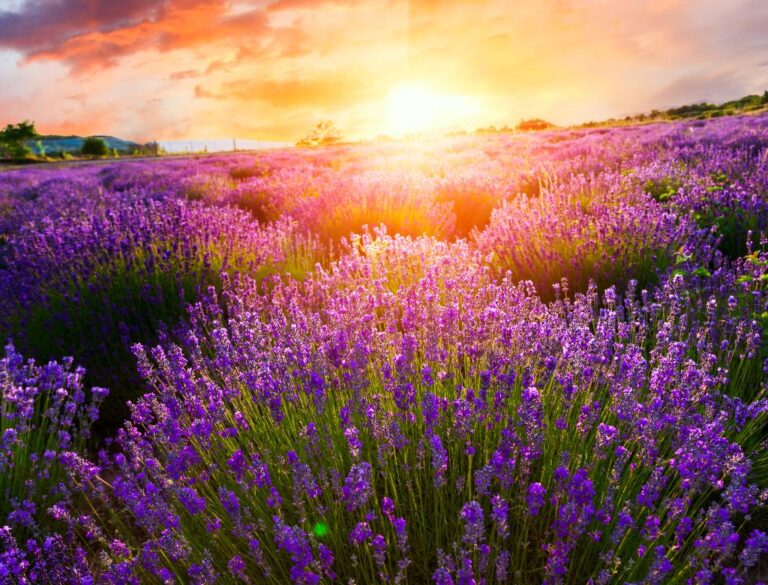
point(320, 529)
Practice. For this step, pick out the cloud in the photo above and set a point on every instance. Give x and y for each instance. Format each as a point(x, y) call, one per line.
point(330, 91)
point(280, 5)
point(703, 86)
point(201, 92)
point(97, 34)
point(45, 24)
point(186, 74)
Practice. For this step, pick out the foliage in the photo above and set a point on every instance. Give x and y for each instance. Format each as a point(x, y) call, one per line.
point(699, 111)
point(533, 124)
point(601, 237)
point(470, 203)
point(94, 146)
point(325, 133)
point(14, 137)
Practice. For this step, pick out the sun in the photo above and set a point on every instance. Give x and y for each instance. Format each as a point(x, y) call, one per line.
point(411, 109)
point(415, 109)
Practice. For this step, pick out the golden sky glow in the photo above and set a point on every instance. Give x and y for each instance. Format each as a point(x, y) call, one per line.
point(271, 69)
point(414, 109)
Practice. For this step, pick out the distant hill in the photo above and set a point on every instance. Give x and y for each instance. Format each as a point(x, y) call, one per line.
point(699, 111)
point(53, 145)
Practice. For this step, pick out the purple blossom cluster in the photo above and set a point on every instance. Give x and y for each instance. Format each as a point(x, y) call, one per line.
point(46, 417)
point(121, 271)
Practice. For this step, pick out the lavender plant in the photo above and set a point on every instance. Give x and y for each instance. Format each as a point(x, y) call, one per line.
point(46, 415)
point(130, 270)
point(565, 383)
point(433, 441)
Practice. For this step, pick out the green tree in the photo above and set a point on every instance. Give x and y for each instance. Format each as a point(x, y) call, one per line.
point(13, 139)
point(533, 125)
point(94, 146)
point(324, 133)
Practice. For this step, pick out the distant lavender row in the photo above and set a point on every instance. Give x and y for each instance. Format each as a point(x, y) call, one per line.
point(712, 171)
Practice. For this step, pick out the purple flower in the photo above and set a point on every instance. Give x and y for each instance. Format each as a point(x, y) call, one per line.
point(326, 560)
point(229, 501)
point(474, 530)
point(500, 516)
point(439, 460)
point(401, 534)
point(387, 507)
point(755, 546)
point(191, 500)
point(502, 565)
point(357, 486)
point(535, 498)
point(236, 567)
point(379, 549)
point(360, 533)
point(294, 541)
point(442, 577)
point(304, 482)
point(238, 463)
point(355, 445)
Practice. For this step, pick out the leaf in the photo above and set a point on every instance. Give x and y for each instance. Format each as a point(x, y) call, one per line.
point(701, 271)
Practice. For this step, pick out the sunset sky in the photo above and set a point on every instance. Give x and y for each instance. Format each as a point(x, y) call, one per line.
point(271, 69)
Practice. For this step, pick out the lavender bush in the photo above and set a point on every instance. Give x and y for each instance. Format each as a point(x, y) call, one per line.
point(132, 265)
point(46, 418)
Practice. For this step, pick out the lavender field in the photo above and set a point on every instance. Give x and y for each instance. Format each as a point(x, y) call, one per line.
point(512, 358)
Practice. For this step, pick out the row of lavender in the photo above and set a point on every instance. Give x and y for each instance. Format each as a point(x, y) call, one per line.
point(401, 411)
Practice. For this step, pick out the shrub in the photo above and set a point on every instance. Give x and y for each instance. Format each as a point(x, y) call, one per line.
point(534, 124)
point(401, 203)
point(262, 203)
point(240, 173)
point(662, 189)
point(94, 146)
point(14, 138)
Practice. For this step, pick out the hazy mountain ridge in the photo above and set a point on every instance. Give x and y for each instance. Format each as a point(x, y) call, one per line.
point(55, 144)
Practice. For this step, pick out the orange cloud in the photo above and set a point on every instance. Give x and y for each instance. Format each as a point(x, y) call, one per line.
point(186, 74)
point(88, 39)
point(328, 90)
